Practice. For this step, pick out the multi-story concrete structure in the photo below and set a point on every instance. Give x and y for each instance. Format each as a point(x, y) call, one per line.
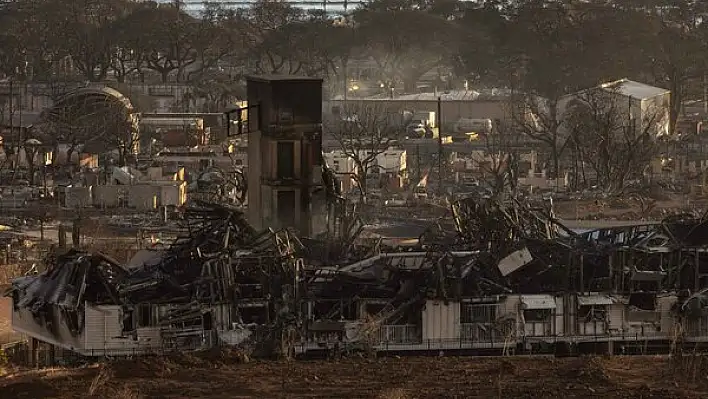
point(285, 152)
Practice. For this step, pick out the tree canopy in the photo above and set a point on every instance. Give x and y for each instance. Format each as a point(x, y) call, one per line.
point(543, 48)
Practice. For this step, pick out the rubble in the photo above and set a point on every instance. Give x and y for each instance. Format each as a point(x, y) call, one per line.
point(223, 283)
point(213, 264)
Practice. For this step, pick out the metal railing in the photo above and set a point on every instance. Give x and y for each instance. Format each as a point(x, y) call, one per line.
point(399, 334)
point(471, 332)
point(400, 339)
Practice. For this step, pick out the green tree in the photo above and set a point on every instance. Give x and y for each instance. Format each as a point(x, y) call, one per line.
point(543, 46)
point(127, 52)
point(406, 42)
point(86, 25)
point(168, 41)
point(44, 49)
point(678, 50)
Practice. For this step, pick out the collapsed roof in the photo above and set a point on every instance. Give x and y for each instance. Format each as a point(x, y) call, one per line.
point(496, 249)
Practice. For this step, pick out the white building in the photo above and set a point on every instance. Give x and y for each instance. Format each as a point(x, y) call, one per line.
point(638, 105)
point(342, 166)
point(148, 191)
point(388, 169)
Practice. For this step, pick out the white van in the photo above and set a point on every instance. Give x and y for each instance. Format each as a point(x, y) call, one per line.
point(465, 125)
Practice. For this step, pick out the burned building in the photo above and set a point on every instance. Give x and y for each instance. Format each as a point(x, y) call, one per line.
point(203, 289)
point(506, 277)
point(501, 276)
point(285, 153)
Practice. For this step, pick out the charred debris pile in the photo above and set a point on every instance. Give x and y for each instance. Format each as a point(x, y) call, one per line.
point(221, 259)
point(493, 248)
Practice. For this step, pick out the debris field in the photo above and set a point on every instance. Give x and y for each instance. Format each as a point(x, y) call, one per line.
point(499, 277)
point(218, 376)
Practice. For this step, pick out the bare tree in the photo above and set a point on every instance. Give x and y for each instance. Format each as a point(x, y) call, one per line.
point(213, 41)
point(613, 140)
point(105, 124)
point(363, 132)
point(540, 118)
point(35, 24)
point(499, 159)
point(118, 130)
point(32, 148)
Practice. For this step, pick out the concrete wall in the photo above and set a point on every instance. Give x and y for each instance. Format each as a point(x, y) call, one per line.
point(343, 167)
point(77, 197)
point(144, 196)
point(651, 114)
point(161, 97)
point(175, 194)
point(255, 206)
point(440, 320)
point(269, 206)
point(141, 196)
point(615, 317)
point(193, 162)
point(656, 109)
point(60, 157)
point(150, 195)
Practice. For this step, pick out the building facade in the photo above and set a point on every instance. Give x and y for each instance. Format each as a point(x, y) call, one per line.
point(285, 153)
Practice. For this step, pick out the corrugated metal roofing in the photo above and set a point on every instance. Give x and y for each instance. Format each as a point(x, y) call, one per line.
point(595, 300)
point(451, 95)
point(634, 89)
point(538, 302)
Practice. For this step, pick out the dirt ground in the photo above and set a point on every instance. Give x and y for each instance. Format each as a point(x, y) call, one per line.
point(387, 378)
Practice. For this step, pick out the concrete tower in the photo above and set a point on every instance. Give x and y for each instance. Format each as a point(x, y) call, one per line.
point(285, 153)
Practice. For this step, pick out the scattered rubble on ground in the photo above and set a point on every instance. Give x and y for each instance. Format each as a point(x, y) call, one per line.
point(223, 283)
point(203, 376)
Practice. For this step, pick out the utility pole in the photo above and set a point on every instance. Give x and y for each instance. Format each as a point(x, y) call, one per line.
point(438, 120)
point(346, 82)
point(12, 128)
point(705, 93)
point(417, 163)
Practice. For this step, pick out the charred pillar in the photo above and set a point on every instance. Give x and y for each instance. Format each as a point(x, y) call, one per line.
point(62, 236)
point(285, 153)
point(34, 350)
point(52, 355)
point(76, 233)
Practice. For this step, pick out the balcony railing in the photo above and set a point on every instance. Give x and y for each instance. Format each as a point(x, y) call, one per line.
point(479, 332)
point(399, 334)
